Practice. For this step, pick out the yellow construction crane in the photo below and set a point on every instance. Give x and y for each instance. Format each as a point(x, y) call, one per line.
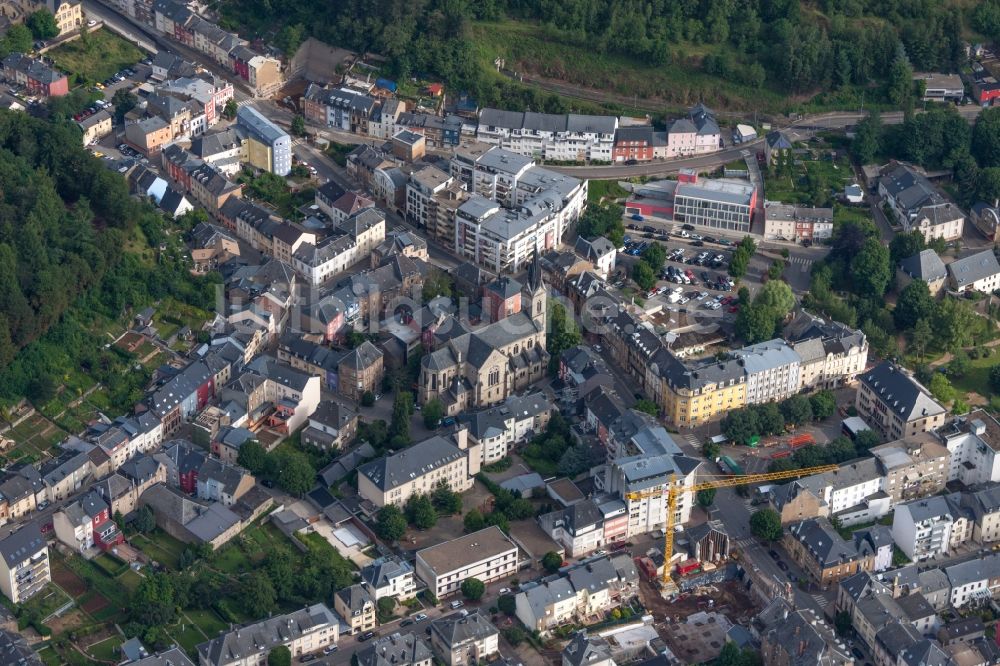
point(672, 491)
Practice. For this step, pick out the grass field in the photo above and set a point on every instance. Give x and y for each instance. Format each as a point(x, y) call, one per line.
point(793, 184)
point(160, 546)
point(600, 189)
point(977, 379)
point(106, 650)
point(96, 57)
point(170, 316)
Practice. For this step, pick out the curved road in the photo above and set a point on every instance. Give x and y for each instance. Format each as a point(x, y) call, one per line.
point(804, 126)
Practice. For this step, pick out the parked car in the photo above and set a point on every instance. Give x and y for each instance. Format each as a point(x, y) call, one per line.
point(631, 162)
point(504, 590)
point(782, 565)
point(368, 635)
point(774, 555)
point(420, 617)
point(306, 658)
point(688, 227)
point(406, 623)
point(637, 217)
point(329, 649)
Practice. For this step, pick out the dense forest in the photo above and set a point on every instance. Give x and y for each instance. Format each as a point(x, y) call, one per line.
point(65, 224)
point(787, 45)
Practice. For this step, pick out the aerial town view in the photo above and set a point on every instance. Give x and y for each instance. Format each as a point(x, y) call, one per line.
point(499, 332)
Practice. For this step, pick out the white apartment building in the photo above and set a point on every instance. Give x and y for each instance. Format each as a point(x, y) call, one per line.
point(929, 527)
point(570, 137)
point(488, 555)
point(832, 354)
point(978, 272)
point(972, 443)
point(302, 632)
point(918, 205)
point(24, 565)
point(853, 493)
point(389, 577)
point(772, 370)
point(785, 222)
point(496, 429)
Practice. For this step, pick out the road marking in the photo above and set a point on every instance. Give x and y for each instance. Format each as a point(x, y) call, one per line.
point(820, 600)
point(692, 440)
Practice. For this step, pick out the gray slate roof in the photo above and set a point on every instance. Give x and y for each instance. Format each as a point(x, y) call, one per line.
point(902, 393)
point(456, 629)
point(391, 471)
point(925, 265)
point(974, 267)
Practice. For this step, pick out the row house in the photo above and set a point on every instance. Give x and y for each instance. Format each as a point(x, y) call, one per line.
point(789, 636)
point(564, 137)
point(87, 523)
point(181, 461)
point(357, 606)
point(823, 553)
point(213, 41)
point(353, 241)
point(272, 393)
point(149, 136)
point(364, 161)
point(303, 632)
point(66, 474)
point(576, 593)
point(438, 132)
point(35, 75)
point(208, 91)
point(342, 109)
point(127, 436)
point(586, 526)
point(122, 489)
point(182, 396)
point(784, 222)
point(831, 354)
point(212, 189)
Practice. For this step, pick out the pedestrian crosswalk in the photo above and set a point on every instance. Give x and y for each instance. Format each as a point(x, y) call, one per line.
point(803, 263)
point(692, 439)
point(245, 102)
point(744, 542)
point(819, 599)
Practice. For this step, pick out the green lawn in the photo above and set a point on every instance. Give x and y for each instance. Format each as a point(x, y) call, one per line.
point(977, 379)
point(792, 184)
point(231, 559)
point(48, 600)
point(160, 546)
point(106, 650)
point(187, 634)
point(170, 316)
point(130, 580)
point(207, 621)
point(97, 57)
point(49, 656)
point(599, 189)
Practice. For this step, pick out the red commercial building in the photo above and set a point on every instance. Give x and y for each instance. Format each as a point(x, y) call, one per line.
point(986, 90)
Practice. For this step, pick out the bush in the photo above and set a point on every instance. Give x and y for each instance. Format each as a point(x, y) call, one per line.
point(367, 399)
point(473, 589)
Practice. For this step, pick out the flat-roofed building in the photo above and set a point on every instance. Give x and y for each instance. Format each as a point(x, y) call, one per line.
point(488, 555)
point(941, 87)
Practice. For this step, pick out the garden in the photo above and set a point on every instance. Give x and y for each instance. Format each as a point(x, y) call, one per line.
point(96, 56)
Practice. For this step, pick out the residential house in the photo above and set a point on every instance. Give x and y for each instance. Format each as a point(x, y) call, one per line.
point(68, 14)
point(87, 523)
point(463, 639)
point(876, 540)
point(913, 467)
point(488, 555)
point(777, 144)
point(708, 542)
point(182, 461)
point(917, 204)
point(579, 528)
point(633, 144)
point(432, 200)
point(986, 218)
point(497, 429)
point(182, 396)
point(361, 371)
point(926, 265)
point(222, 482)
point(790, 636)
point(14, 649)
point(832, 354)
point(190, 520)
point(853, 494)
point(584, 650)
point(600, 252)
point(396, 650)
point(95, 127)
point(772, 371)
point(24, 563)
point(823, 553)
point(580, 592)
point(357, 606)
point(332, 426)
point(973, 442)
point(978, 272)
point(211, 188)
point(149, 136)
point(394, 478)
point(985, 506)
point(974, 581)
point(389, 577)
point(895, 404)
point(302, 632)
point(786, 222)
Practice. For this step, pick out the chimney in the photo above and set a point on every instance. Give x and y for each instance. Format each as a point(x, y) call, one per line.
point(802, 647)
point(462, 438)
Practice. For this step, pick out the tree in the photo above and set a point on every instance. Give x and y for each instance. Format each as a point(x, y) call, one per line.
point(507, 604)
point(433, 410)
point(367, 399)
point(123, 101)
point(740, 425)
point(279, 656)
point(437, 283)
point(823, 404)
point(654, 255)
point(865, 440)
point(711, 450)
point(901, 81)
point(755, 323)
point(252, 457)
point(445, 500)
point(257, 594)
point(154, 602)
point(986, 138)
point(42, 25)
point(563, 334)
point(870, 269)
point(841, 449)
point(41, 390)
point(386, 606)
point(551, 561)
point(648, 406)
point(296, 475)
point(18, 39)
point(797, 410)
point(474, 521)
point(574, 460)
point(643, 276)
point(915, 303)
point(390, 524)
point(959, 364)
point(920, 337)
point(706, 497)
point(420, 512)
point(602, 220)
point(843, 623)
point(906, 245)
point(867, 142)
point(766, 524)
point(354, 339)
point(402, 408)
point(473, 589)
point(298, 126)
point(230, 109)
point(941, 388)
point(145, 521)
point(995, 378)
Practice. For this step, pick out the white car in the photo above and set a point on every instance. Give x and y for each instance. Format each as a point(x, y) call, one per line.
point(420, 617)
point(91, 23)
point(504, 590)
point(684, 300)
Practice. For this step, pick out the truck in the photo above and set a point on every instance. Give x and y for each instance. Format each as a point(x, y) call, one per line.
point(674, 297)
point(730, 467)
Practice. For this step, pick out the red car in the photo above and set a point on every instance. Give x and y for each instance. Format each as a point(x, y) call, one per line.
point(734, 308)
point(727, 300)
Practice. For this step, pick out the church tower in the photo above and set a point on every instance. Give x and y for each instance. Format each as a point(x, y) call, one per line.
point(534, 295)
